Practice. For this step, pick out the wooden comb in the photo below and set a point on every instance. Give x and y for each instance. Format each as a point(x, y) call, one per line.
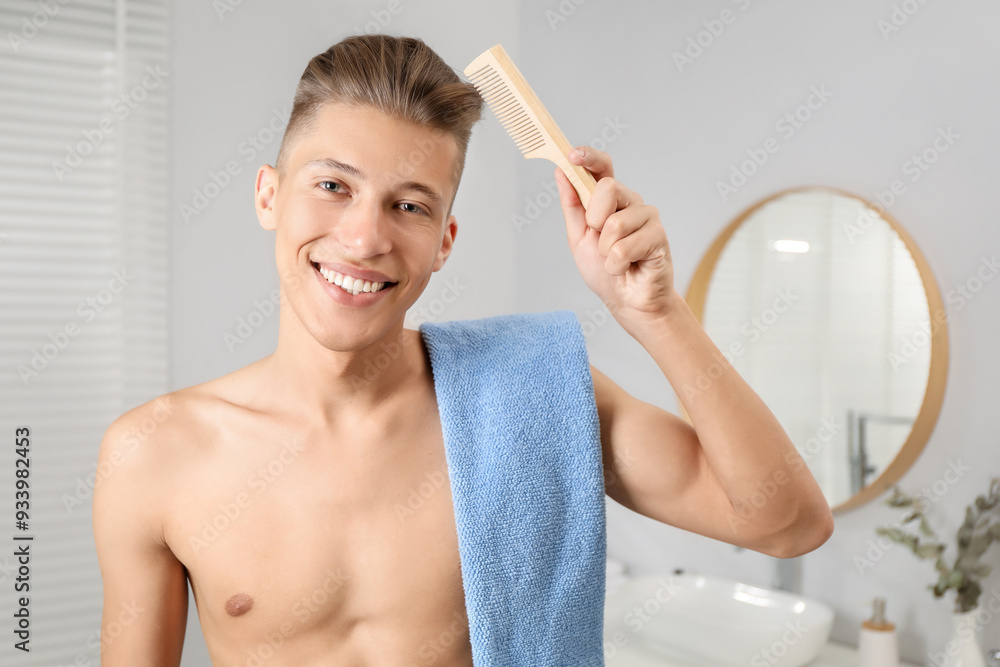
point(524, 117)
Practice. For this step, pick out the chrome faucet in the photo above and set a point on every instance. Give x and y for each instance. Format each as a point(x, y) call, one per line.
point(788, 575)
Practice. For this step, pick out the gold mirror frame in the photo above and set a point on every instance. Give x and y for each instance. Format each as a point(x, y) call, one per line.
point(937, 374)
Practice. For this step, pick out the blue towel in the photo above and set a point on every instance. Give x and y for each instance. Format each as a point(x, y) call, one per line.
point(522, 443)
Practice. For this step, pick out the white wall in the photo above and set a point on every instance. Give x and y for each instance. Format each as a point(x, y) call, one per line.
point(608, 68)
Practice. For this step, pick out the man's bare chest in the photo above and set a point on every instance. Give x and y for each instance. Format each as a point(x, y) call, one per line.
point(297, 535)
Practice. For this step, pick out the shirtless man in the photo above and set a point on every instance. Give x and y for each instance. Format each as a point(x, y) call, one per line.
point(275, 490)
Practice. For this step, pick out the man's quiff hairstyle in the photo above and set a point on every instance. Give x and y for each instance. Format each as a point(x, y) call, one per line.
point(400, 76)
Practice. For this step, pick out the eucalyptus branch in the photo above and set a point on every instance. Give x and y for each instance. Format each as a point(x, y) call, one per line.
point(979, 530)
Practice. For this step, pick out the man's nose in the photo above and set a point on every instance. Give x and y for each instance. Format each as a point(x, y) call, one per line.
point(363, 228)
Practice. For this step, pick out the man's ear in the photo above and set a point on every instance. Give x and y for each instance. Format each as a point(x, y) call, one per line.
point(447, 242)
point(265, 192)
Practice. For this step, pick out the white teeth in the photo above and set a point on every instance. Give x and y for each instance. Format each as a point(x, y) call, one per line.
point(349, 284)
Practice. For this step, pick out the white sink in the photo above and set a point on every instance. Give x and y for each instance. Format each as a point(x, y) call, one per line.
point(697, 620)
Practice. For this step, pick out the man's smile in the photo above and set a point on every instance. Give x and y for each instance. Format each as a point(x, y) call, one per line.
point(353, 281)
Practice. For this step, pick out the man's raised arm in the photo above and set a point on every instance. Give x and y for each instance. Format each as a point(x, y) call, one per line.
point(735, 476)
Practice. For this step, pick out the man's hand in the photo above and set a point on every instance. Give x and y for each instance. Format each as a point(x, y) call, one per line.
point(618, 243)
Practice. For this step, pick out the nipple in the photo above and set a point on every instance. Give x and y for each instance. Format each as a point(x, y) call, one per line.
point(239, 604)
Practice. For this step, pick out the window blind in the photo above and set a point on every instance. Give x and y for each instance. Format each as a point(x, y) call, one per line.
point(84, 185)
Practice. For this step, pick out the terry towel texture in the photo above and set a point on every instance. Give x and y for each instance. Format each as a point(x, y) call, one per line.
point(522, 443)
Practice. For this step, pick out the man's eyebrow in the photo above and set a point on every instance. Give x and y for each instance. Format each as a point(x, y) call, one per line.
point(330, 163)
point(424, 190)
point(416, 186)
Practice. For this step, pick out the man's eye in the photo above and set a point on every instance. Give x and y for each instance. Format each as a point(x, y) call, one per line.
point(331, 183)
point(413, 208)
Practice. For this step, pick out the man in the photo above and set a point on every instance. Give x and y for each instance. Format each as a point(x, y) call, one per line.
point(273, 489)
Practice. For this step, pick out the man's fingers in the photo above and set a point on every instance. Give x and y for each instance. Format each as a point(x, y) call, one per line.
point(643, 244)
point(609, 196)
point(596, 162)
point(576, 224)
point(622, 224)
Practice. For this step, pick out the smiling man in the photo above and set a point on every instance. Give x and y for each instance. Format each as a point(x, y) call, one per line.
point(273, 489)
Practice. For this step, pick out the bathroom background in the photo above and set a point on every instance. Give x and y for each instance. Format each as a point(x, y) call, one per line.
point(609, 74)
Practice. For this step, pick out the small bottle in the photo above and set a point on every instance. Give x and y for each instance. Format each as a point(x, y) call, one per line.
point(877, 646)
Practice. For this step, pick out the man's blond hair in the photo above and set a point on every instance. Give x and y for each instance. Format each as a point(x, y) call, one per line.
point(400, 76)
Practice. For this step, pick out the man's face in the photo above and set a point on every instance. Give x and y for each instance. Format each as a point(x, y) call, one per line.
point(364, 196)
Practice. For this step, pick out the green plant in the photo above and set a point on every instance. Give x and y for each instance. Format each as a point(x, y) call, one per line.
point(979, 530)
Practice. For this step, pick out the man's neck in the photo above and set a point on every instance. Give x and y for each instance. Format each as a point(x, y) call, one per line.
point(330, 387)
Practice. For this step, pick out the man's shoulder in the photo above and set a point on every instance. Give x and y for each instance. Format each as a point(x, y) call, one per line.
point(148, 452)
point(156, 430)
point(146, 426)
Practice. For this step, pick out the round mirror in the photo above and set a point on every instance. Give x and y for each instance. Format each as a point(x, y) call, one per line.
point(826, 307)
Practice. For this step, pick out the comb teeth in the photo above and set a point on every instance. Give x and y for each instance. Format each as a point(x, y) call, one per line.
point(494, 88)
point(525, 118)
